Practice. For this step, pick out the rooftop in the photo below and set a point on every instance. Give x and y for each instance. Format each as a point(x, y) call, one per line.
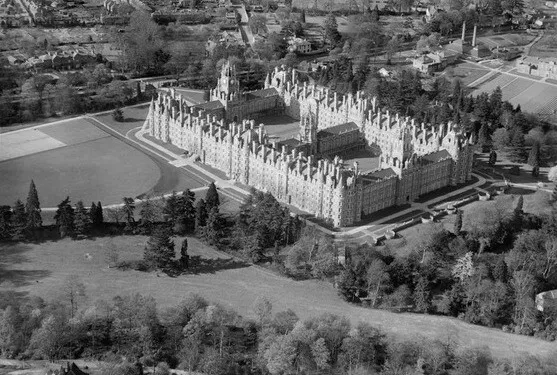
point(337, 130)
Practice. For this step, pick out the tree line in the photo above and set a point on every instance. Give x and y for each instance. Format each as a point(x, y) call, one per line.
point(130, 333)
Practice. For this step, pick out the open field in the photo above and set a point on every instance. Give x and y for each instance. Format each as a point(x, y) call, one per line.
point(86, 163)
point(468, 73)
point(41, 269)
point(134, 117)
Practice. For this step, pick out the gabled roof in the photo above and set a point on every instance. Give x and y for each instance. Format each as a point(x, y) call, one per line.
point(210, 106)
point(438, 156)
point(264, 93)
point(337, 130)
point(381, 174)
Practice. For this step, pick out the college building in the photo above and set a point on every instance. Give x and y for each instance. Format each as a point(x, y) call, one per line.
point(306, 171)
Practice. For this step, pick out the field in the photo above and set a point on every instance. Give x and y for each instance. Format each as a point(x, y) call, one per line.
point(41, 269)
point(468, 73)
point(78, 159)
point(535, 97)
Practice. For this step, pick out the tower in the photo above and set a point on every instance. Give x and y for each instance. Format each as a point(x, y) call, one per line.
point(228, 87)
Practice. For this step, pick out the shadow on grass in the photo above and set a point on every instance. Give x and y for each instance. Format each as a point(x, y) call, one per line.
point(14, 253)
point(199, 265)
point(131, 119)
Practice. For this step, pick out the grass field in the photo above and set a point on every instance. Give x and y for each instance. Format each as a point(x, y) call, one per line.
point(91, 166)
point(134, 117)
point(40, 270)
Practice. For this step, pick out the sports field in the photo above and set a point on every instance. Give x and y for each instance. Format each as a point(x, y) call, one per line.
point(41, 269)
point(72, 158)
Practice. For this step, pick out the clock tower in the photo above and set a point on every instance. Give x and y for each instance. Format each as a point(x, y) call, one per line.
point(228, 87)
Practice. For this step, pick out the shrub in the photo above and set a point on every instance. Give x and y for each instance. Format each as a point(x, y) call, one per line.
point(118, 115)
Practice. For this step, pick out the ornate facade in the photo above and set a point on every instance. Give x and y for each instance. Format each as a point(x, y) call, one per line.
point(307, 172)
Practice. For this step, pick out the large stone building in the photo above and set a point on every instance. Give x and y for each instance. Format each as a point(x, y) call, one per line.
point(307, 172)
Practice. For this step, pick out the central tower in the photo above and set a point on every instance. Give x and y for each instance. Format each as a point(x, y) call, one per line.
point(228, 87)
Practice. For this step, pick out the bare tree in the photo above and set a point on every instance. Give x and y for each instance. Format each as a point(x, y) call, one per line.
point(73, 292)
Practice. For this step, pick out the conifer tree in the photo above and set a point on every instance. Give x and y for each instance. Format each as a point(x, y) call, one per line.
point(82, 220)
point(148, 216)
point(159, 250)
point(483, 136)
point(185, 212)
point(65, 218)
point(99, 218)
point(93, 213)
point(5, 223)
point(33, 209)
point(534, 155)
point(184, 257)
point(214, 227)
point(518, 154)
point(200, 215)
point(492, 158)
point(129, 207)
point(170, 208)
point(19, 221)
point(332, 36)
point(458, 223)
point(500, 271)
point(212, 197)
point(518, 209)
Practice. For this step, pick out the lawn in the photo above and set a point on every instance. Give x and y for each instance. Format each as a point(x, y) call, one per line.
point(134, 117)
point(40, 269)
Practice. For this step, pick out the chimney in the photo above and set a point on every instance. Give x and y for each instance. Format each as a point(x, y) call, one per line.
point(463, 30)
point(474, 36)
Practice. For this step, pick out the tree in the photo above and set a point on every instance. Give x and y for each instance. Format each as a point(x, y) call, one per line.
point(5, 222)
point(93, 213)
point(184, 212)
point(82, 219)
point(73, 292)
point(464, 267)
point(332, 36)
point(200, 215)
point(212, 197)
point(159, 250)
point(33, 209)
point(19, 221)
point(492, 158)
point(65, 218)
point(523, 284)
point(129, 207)
point(500, 138)
point(422, 295)
point(500, 271)
point(149, 214)
point(534, 155)
point(484, 139)
point(377, 280)
point(184, 257)
point(518, 152)
point(458, 223)
point(10, 338)
point(214, 227)
point(263, 309)
point(118, 115)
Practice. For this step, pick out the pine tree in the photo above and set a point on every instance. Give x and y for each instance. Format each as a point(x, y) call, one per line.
point(200, 215)
point(518, 154)
point(483, 136)
point(534, 156)
point(5, 223)
point(99, 218)
point(184, 257)
point(185, 213)
point(33, 210)
point(170, 208)
point(518, 210)
point(213, 229)
point(65, 218)
point(458, 223)
point(422, 295)
point(332, 36)
point(19, 221)
point(212, 197)
point(129, 207)
point(82, 220)
point(148, 216)
point(93, 213)
point(159, 250)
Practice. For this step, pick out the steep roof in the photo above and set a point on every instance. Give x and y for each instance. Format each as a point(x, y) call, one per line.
point(436, 157)
point(264, 93)
point(381, 174)
point(337, 130)
point(212, 105)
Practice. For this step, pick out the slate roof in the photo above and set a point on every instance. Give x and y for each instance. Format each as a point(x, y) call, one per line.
point(337, 130)
point(381, 174)
point(436, 157)
point(210, 106)
point(264, 93)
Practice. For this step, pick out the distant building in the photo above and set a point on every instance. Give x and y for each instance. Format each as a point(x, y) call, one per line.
point(299, 45)
point(228, 39)
point(433, 62)
point(536, 66)
point(463, 47)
